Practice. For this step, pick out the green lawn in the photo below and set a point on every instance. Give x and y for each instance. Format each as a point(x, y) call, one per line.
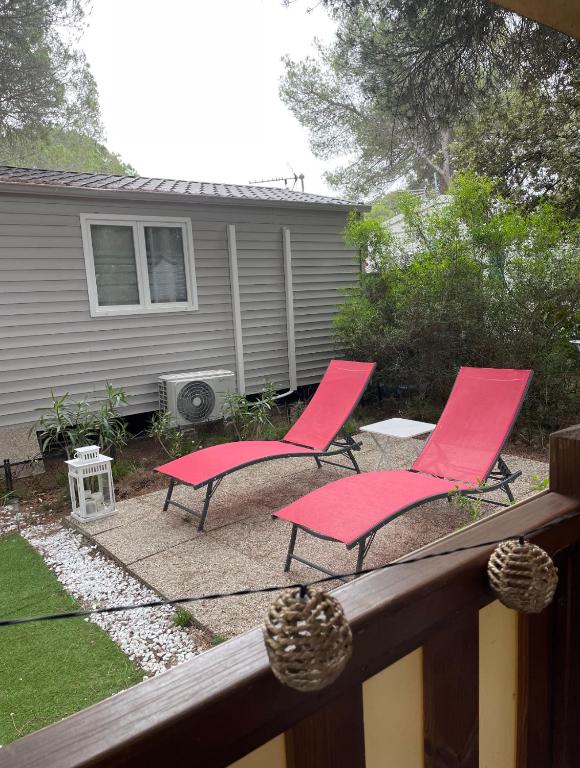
point(51, 669)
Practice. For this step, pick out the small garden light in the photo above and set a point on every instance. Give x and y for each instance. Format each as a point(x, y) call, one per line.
point(91, 484)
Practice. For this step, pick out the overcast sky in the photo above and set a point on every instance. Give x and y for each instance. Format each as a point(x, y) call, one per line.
point(189, 88)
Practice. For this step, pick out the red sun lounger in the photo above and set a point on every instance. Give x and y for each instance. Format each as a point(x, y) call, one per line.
point(459, 457)
point(314, 434)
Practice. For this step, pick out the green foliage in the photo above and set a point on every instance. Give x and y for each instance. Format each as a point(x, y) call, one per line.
point(539, 484)
point(477, 282)
point(401, 75)
point(528, 141)
point(472, 507)
point(172, 440)
point(6, 496)
point(123, 467)
point(218, 639)
point(49, 103)
point(370, 237)
point(60, 149)
point(70, 424)
point(182, 618)
point(250, 419)
point(43, 79)
point(387, 206)
point(51, 669)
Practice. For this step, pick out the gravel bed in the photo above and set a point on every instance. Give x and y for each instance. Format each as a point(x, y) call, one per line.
point(148, 636)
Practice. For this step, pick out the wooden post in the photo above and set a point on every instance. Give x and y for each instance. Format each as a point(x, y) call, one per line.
point(565, 461)
point(333, 737)
point(451, 695)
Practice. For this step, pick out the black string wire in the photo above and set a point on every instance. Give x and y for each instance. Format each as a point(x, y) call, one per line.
point(278, 587)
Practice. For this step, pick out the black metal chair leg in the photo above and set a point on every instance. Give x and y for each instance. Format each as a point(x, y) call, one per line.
point(168, 497)
point(208, 494)
point(291, 548)
point(361, 554)
point(318, 464)
point(503, 467)
point(509, 493)
point(350, 455)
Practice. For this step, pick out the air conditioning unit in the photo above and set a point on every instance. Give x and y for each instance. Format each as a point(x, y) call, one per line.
point(195, 397)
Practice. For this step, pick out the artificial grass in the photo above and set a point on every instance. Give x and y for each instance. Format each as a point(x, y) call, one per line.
point(51, 669)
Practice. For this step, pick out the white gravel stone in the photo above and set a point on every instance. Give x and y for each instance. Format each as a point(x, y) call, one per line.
point(148, 635)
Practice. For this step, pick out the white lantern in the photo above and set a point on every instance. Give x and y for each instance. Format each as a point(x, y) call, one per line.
point(91, 484)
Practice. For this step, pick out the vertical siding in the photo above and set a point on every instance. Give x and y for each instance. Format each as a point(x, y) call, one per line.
point(263, 304)
point(50, 341)
point(322, 265)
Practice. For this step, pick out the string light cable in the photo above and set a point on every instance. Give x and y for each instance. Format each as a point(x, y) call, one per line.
point(83, 613)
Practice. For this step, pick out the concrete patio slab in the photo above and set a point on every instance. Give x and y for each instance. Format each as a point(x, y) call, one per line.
point(244, 547)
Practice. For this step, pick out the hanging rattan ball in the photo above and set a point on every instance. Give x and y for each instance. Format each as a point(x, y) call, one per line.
point(307, 637)
point(522, 576)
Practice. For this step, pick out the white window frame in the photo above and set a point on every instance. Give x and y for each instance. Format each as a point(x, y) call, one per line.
point(138, 224)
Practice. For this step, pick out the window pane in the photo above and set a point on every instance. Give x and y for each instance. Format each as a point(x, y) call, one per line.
point(115, 268)
point(166, 264)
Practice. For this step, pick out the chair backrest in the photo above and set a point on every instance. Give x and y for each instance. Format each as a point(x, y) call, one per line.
point(477, 420)
point(337, 396)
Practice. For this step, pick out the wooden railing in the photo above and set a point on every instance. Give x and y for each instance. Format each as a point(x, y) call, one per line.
point(442, 675)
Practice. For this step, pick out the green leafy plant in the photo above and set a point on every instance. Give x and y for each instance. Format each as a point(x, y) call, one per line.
point(123, 467)
point(70, 424)
point(471, 506)
point(475, 281)
point(296, 410)
point(250, 419)
point(182, 618)
point(174, 442)
point(6, 497)
point(218, 639)
point(539, 484)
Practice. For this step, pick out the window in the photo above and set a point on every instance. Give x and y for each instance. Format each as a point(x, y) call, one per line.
point(138, 265)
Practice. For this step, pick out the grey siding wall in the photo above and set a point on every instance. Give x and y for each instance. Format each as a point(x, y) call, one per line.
point(50, 341)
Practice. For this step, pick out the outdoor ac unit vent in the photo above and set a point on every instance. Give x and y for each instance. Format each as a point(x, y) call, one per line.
point(195, 397)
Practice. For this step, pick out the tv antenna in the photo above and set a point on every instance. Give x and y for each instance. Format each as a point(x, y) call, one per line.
point(295, 178)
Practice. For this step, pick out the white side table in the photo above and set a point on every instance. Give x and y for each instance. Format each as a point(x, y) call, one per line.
point(401, 428)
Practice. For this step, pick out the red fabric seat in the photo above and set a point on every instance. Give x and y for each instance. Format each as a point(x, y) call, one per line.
point(199, 467)
point(477, 420)
point(335, 399)
point(460, 454)
point(347, 509)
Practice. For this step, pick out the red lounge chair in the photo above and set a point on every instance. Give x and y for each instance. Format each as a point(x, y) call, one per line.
point(314, 434)
point(459, 457)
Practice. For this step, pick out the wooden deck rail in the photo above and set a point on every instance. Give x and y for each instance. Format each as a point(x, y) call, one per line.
point(220, 706)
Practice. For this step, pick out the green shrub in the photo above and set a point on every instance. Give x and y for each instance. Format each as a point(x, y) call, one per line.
point(478, 282)
point(70, 424)
point(472, 507)
point(173, 441)
point(250, 419)
point(123, 467)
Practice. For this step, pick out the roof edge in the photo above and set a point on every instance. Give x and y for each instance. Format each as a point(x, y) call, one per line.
point(59, 190)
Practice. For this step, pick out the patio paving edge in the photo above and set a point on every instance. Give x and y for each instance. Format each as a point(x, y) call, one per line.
point(71, 523)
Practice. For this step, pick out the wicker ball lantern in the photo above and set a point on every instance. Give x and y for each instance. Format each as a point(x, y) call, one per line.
point(308, 638)
point(522, 576)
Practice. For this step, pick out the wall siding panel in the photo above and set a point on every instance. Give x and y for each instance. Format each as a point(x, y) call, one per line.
point(50, 341)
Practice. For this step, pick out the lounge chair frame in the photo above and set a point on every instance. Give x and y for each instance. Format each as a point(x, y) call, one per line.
point(343, 445)
point(365, 541)
point(499, 472)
